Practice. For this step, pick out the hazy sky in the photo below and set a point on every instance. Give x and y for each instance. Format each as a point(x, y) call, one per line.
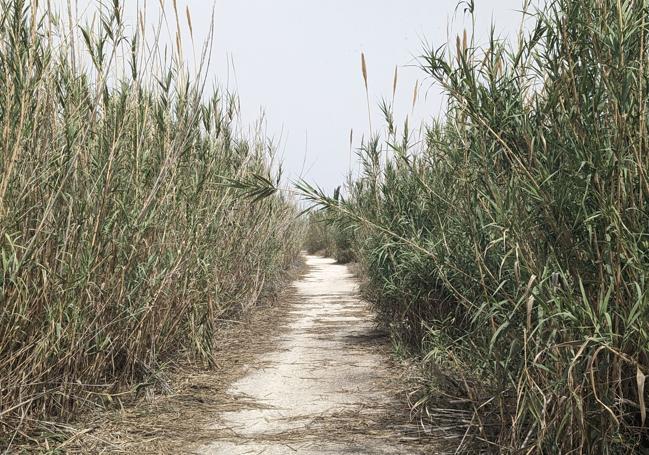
point(299, 61)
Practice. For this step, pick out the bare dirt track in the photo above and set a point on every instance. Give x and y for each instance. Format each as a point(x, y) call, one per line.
point(325, 388)
point(311, 376)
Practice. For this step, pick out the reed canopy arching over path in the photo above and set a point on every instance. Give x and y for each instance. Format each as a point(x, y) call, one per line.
point(510, 242)
point(121, 242)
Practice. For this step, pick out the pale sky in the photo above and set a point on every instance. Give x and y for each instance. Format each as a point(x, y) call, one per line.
point(299, 61)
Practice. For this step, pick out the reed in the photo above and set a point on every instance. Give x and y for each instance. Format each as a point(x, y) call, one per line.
point(509, 242)
point(324, 237)
point(122, 245)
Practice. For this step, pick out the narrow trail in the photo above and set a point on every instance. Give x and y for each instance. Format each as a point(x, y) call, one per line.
point(307, 375)
point(325, 387)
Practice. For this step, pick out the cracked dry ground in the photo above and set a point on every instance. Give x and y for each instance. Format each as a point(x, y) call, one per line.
point(317, 378)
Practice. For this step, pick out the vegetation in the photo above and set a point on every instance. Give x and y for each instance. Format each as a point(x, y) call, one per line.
point(507, 243)
point(510, 243)
point(121, 240)
point(324, 236)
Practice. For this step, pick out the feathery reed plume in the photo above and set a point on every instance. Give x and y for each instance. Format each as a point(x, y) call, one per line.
point(351, 141)
point(189, 23)
point(367, 93)
point(178, 30)
point(394, 83)
point(364, 69)
point(414, 95)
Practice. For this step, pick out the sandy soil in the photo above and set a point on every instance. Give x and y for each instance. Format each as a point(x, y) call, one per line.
point(309, 375)
point(324, 388)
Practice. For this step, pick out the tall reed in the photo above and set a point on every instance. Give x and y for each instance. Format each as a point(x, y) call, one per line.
point(511, 242)
point(121, 243)
point(323, 236)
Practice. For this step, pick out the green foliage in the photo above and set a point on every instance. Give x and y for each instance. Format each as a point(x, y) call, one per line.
point(120, 239)
point(325, 237)
point(319, 236)
point(516, 229)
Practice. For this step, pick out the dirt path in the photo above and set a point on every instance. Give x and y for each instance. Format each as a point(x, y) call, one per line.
point(324, 388)
point(309, 375)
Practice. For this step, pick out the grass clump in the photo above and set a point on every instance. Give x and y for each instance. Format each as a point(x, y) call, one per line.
point(121, 242)
point(515, 230)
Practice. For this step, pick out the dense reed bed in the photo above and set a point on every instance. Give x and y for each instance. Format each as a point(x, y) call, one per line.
point(509, 242)
point(323, 236)
point(121, 242)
